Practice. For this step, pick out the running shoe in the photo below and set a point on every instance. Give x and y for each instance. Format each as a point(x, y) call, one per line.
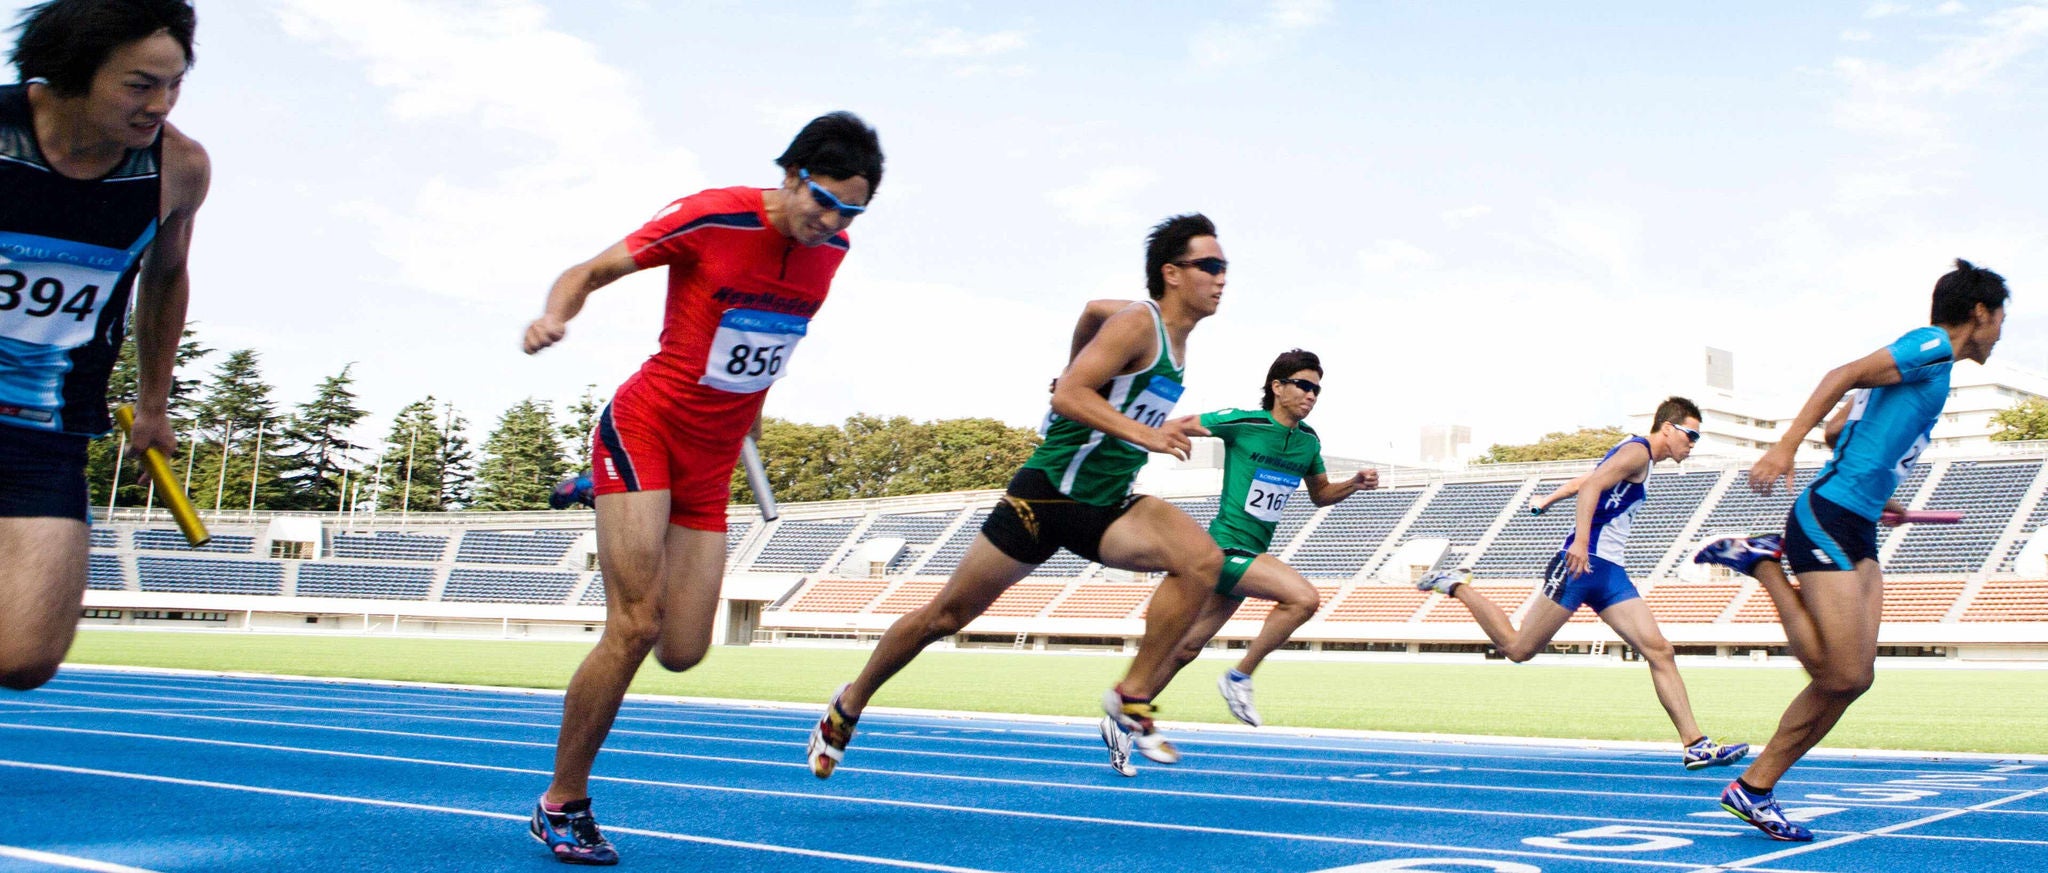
point(1762, 811)
point(1741, 554)
point(572, 834)
point(1443, 582)
point(829, 738)
point(1707, 753)
point(1237, 694)
point(1135, 718)
point(1119, 744)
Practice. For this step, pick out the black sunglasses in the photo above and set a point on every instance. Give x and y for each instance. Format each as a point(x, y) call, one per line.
point(1212, 266)
point(1303, 384)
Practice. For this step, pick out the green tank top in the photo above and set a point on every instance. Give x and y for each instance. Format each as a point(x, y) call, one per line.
point(1093, 468)
point(1263, 465)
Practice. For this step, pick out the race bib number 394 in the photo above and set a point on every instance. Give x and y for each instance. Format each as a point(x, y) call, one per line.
point(1267, 496)
point(752, 349)
point(51, 290)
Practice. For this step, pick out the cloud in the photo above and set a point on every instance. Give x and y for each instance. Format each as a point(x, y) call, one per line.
point(1856, 36)
point(1392, 256)
point(1884, 9)
point(1950, 8)
point(494, 77)
point(1463, 215)
point(952, 42)
point(1220, 43)
point(1104, 198)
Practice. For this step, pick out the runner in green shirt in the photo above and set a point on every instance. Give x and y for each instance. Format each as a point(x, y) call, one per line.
point(1269, 453)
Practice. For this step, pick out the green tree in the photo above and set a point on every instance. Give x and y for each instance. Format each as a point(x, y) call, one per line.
point(876, 457)
point(802, 460)
point(458, 463)
point(967, 454)
point(237, 426)
point(522, 459)
point(1586, 442)
point(313, 446)
point(2025, 420)
point(414, 465)
point(582, 419)
point(102, 455)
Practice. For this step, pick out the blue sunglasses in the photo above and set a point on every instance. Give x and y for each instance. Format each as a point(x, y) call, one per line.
point(827, 199)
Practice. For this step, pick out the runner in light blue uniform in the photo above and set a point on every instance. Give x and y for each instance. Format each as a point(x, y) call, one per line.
point(1589, 572)
point(1831, 620)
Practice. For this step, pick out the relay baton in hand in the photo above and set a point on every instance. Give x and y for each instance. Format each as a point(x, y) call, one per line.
point(1922, 516)
point(174, 493)
point(757, 479)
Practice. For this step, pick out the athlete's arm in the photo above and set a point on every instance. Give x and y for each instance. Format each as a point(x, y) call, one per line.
point(1122, 343)
point(1092, 317)
point(1874, 370)
point(163, 290)
point(1563, 491)
point(565, 299)
point(1630, 460)
point(1323, 492)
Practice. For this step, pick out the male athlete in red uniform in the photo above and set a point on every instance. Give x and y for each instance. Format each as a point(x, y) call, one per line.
point(748, 269)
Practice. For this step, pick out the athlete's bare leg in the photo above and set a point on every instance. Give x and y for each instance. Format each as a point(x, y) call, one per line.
point(1538, 627)
point(1295, 601)
point(661, 595)
point(1846, 608)
point(983, 574)
point(1800, 634)
point(1632, 620)
point(42, 588)
point(1154, 536)
point(1215, 611)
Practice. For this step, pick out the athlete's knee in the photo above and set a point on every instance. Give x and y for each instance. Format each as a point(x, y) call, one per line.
point(1200, 563)
point(1186, 653)
point(939, 620)
point(1299, 606)
point(633, 632)
point(28, 675)
point(1658, 652)
point(677, 657)
point(1518, 651)
point(1844, 682)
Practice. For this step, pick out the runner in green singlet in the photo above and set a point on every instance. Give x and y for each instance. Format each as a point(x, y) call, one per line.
point(1110, 408)
point(1269, 453)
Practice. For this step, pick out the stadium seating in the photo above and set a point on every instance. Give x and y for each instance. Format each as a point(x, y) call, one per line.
point(918, 532)
point(1671, 500)
point(1025, 599)
point(1527, 543)
point(1338, 546)
point(1986, 493)
point(1919, 600)
point(467, 584)
point(1690, 602)
point(908, 596)
point(202, 576)
point(171, 539)
point(370, 582)
point(1509, 596)
point(838, 595)
point(1103, 600)
point(540, 547)
point(103, 573)
point(105, 538)
point(387, 545)
point(1389, 603)
point(803, 546)
point(2009, 600)
point(947, 555)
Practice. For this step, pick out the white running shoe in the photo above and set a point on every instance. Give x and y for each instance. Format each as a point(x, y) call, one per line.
point(1238, 696)
point(1119, 744)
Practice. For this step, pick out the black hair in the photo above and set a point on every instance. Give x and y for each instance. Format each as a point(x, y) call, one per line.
point(1167, 242)
point(65, 42)
point(839, 145)
point(1289, 363)
point(1957, 293)
point(1676, 410)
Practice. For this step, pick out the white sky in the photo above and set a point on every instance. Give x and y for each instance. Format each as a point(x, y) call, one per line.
point(1500, 215)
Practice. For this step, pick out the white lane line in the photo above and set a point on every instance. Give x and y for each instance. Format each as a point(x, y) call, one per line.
point(1019, 814)
point(1393, 784)
point(950, 755)
point(480, 813)
point(1733, 827)
point(72, 861)
point(1886, 831)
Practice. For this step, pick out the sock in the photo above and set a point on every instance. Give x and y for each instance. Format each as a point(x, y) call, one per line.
point(565, 807)
point(1237, 675)
point(1753, 790)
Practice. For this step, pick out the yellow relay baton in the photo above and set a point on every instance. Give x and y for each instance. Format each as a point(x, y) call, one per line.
point(174, 493)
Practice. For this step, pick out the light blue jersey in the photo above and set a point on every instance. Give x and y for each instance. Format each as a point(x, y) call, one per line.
point(1614, 512)
point(1889, 426)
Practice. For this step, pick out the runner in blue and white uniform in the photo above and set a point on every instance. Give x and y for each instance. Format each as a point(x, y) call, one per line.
point(1831, 619)
point(99, 195)
point(1589, 572)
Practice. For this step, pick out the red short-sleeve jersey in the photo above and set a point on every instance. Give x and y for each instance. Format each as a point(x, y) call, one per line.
point(740, 298)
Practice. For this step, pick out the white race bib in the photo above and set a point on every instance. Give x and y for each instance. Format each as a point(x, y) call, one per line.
point(51, 290)
point(751, 349)
point(1154, 404)
point(1267, 496)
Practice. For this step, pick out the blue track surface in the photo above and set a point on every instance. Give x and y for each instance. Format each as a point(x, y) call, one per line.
point(188, 772)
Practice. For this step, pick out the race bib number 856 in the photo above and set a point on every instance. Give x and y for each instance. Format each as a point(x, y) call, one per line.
point(752, 349)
